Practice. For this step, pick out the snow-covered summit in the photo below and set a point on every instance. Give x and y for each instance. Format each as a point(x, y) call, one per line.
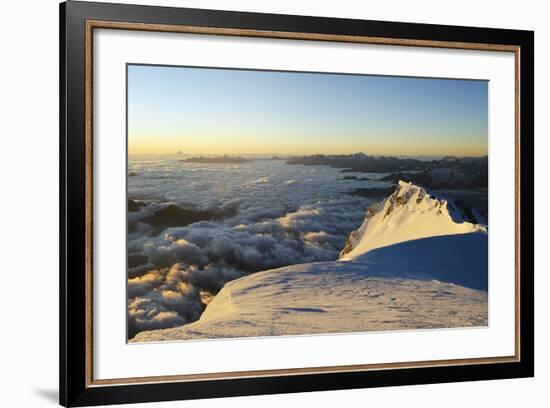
point(411, 212)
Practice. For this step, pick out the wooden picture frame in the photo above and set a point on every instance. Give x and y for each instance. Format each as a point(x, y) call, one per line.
point(78, 20)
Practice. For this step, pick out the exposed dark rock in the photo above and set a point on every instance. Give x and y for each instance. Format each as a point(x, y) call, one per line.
point(174, 216)
point(356, 178)
point(134, 205)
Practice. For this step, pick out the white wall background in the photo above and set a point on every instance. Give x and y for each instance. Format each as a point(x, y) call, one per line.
point(29, 204)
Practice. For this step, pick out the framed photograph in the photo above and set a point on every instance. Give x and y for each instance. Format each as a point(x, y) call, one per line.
point(256, 203)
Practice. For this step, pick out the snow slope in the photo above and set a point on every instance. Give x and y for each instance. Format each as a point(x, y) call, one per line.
point(418, 261)
point(411, 212)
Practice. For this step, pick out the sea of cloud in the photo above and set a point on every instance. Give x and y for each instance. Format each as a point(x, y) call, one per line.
point(285, 214)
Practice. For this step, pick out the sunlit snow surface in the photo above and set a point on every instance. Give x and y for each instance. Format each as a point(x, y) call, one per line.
point(411, 212)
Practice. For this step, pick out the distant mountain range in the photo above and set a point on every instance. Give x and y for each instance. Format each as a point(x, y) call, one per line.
point(217, 159)
point(448, 172)
point(360, 162)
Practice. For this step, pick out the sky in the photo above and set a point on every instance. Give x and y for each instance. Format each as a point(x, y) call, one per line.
point(230, 111)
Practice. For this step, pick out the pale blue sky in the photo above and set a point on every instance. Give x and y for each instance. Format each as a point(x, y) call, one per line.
point(222, 111)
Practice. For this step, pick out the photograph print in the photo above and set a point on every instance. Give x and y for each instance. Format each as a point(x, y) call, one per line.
point(277, 203)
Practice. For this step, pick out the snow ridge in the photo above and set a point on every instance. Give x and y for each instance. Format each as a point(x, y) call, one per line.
point(411, 212)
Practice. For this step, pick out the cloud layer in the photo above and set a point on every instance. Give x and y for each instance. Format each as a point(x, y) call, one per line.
point(286, 215)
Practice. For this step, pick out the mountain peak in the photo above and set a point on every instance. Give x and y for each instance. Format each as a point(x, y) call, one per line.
point(411, 212)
